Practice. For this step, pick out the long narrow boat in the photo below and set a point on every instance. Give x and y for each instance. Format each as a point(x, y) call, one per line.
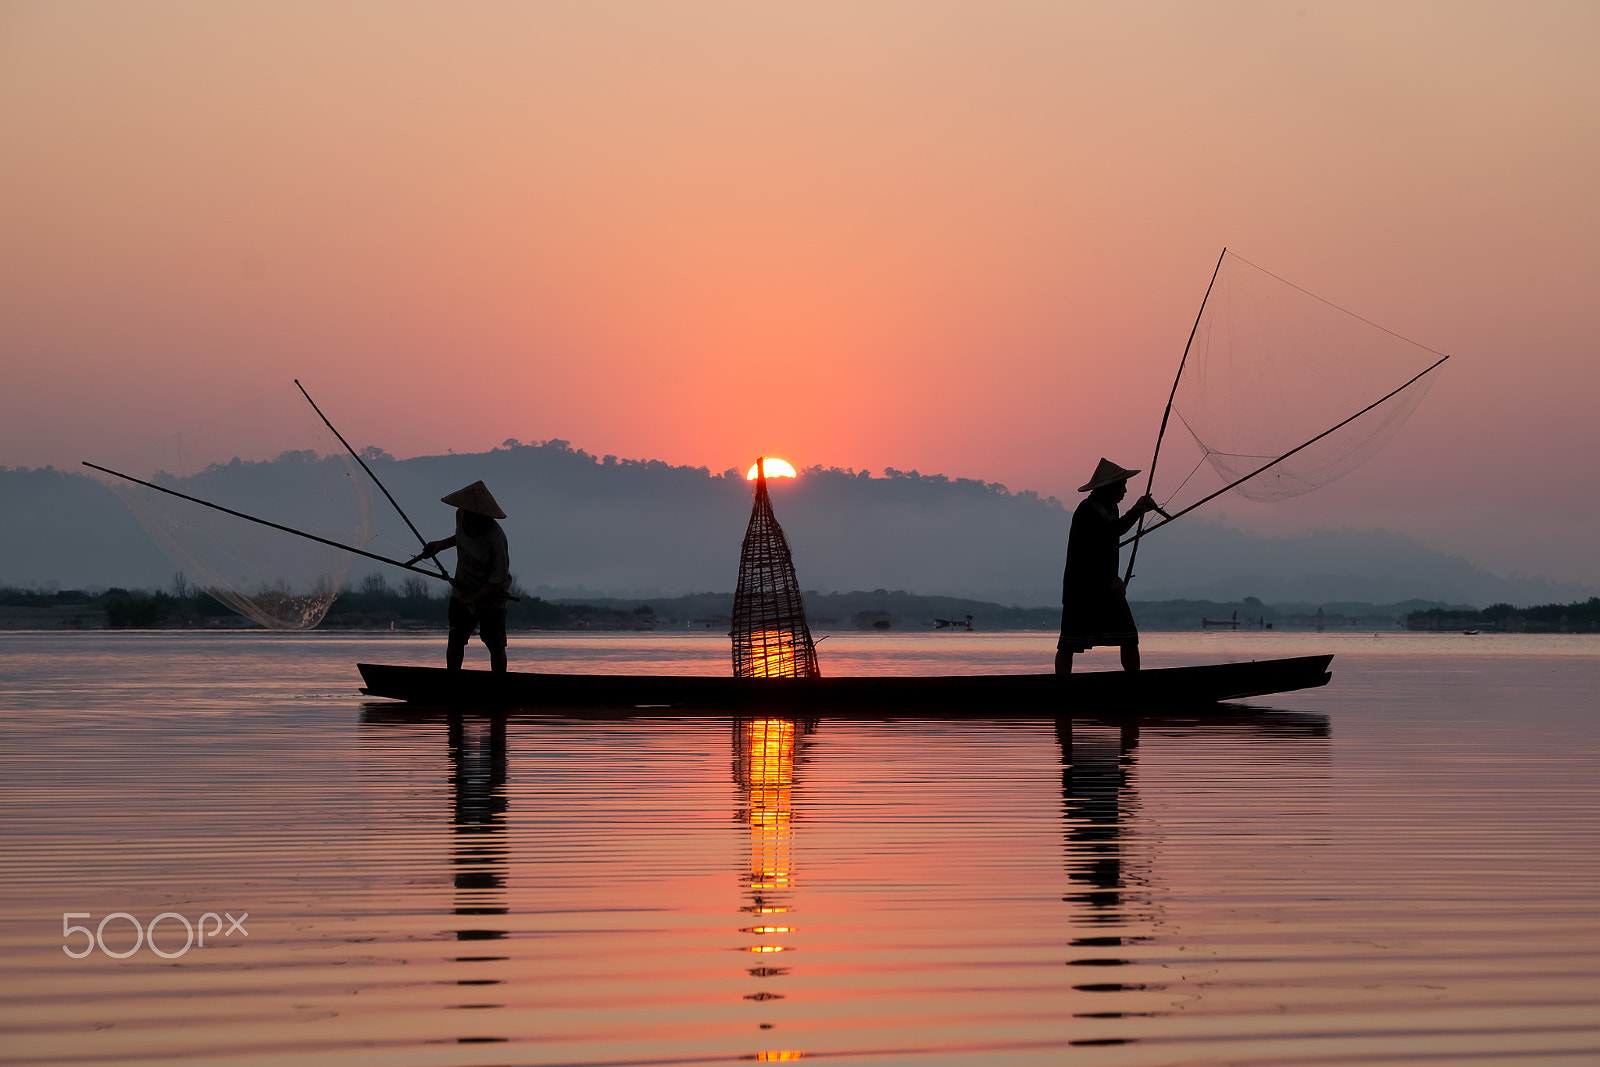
point(985, 694)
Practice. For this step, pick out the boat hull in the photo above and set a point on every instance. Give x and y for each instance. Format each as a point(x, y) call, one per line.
point(1091, 692)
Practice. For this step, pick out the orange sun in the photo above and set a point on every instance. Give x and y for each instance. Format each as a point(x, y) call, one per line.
point(776, 468)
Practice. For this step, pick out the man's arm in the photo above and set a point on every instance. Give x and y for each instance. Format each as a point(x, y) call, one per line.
point(1143, 506)
point(433, 548)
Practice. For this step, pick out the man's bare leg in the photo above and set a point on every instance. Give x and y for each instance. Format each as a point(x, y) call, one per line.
point(453, 654)
point(497, 659)
point(1063, 662)
point(1130, 656)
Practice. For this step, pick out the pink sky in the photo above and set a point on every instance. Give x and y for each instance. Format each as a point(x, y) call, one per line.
point(960, 238)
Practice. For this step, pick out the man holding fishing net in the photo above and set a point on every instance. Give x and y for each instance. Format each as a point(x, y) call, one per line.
point(1094, 602)
point(483, 561)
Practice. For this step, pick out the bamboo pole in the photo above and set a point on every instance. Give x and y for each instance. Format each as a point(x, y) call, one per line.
point(272, 525)
point(357, 457)
point(1150, 481)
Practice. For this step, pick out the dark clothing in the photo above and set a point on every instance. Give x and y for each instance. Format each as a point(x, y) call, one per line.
point(481, 559)
point(1093, 610)
point(490, 622)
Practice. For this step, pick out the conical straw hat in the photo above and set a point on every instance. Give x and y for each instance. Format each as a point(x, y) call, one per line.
point(475, 498)
point(1106, 474)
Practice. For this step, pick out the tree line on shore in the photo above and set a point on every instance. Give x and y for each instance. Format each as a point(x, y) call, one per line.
point(1580, 616)
point(373, 605)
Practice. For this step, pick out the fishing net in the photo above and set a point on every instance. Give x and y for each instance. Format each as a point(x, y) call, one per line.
point(1272, 366)
point(770, 635)
point(273, 459)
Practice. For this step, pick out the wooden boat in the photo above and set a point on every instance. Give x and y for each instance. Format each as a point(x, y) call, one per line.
point(1092, 692)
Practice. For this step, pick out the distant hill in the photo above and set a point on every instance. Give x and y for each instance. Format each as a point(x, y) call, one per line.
point(1209, 561)
point(584, 526)
point(69, 531)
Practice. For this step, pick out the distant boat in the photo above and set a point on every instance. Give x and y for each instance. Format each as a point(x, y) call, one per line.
point(1471, 633)
point(953, 624)
point(1043, 695)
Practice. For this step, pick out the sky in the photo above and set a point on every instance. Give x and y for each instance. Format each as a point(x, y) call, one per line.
point(958, 238)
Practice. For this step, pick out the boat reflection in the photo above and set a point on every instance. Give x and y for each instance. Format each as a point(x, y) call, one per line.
point(1109, 864)
point(1112, 849)
point(766, 755)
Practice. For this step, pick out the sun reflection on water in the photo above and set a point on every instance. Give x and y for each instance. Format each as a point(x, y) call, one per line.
point(765, 755)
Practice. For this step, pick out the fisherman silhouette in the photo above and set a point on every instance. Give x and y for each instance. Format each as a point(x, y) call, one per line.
point(1094, 602)
point(478, 592)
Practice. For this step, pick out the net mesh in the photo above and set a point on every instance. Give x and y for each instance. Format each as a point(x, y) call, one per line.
point(770, 635)
point(1271, 366)
point(271, 458)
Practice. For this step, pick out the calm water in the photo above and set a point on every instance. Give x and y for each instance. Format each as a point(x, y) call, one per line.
point(1403, 867)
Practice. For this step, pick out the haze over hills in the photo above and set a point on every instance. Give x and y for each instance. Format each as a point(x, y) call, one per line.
point(582, 525)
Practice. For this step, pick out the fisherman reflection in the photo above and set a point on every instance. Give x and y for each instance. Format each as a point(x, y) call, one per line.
point(478, 779)
point(1094, 601)
point(765, 753)
point(1113, 890)
point(1095, 795)
point(479, 592)
point(480, 854)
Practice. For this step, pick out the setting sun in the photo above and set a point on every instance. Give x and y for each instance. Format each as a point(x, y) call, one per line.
point(776, 468)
